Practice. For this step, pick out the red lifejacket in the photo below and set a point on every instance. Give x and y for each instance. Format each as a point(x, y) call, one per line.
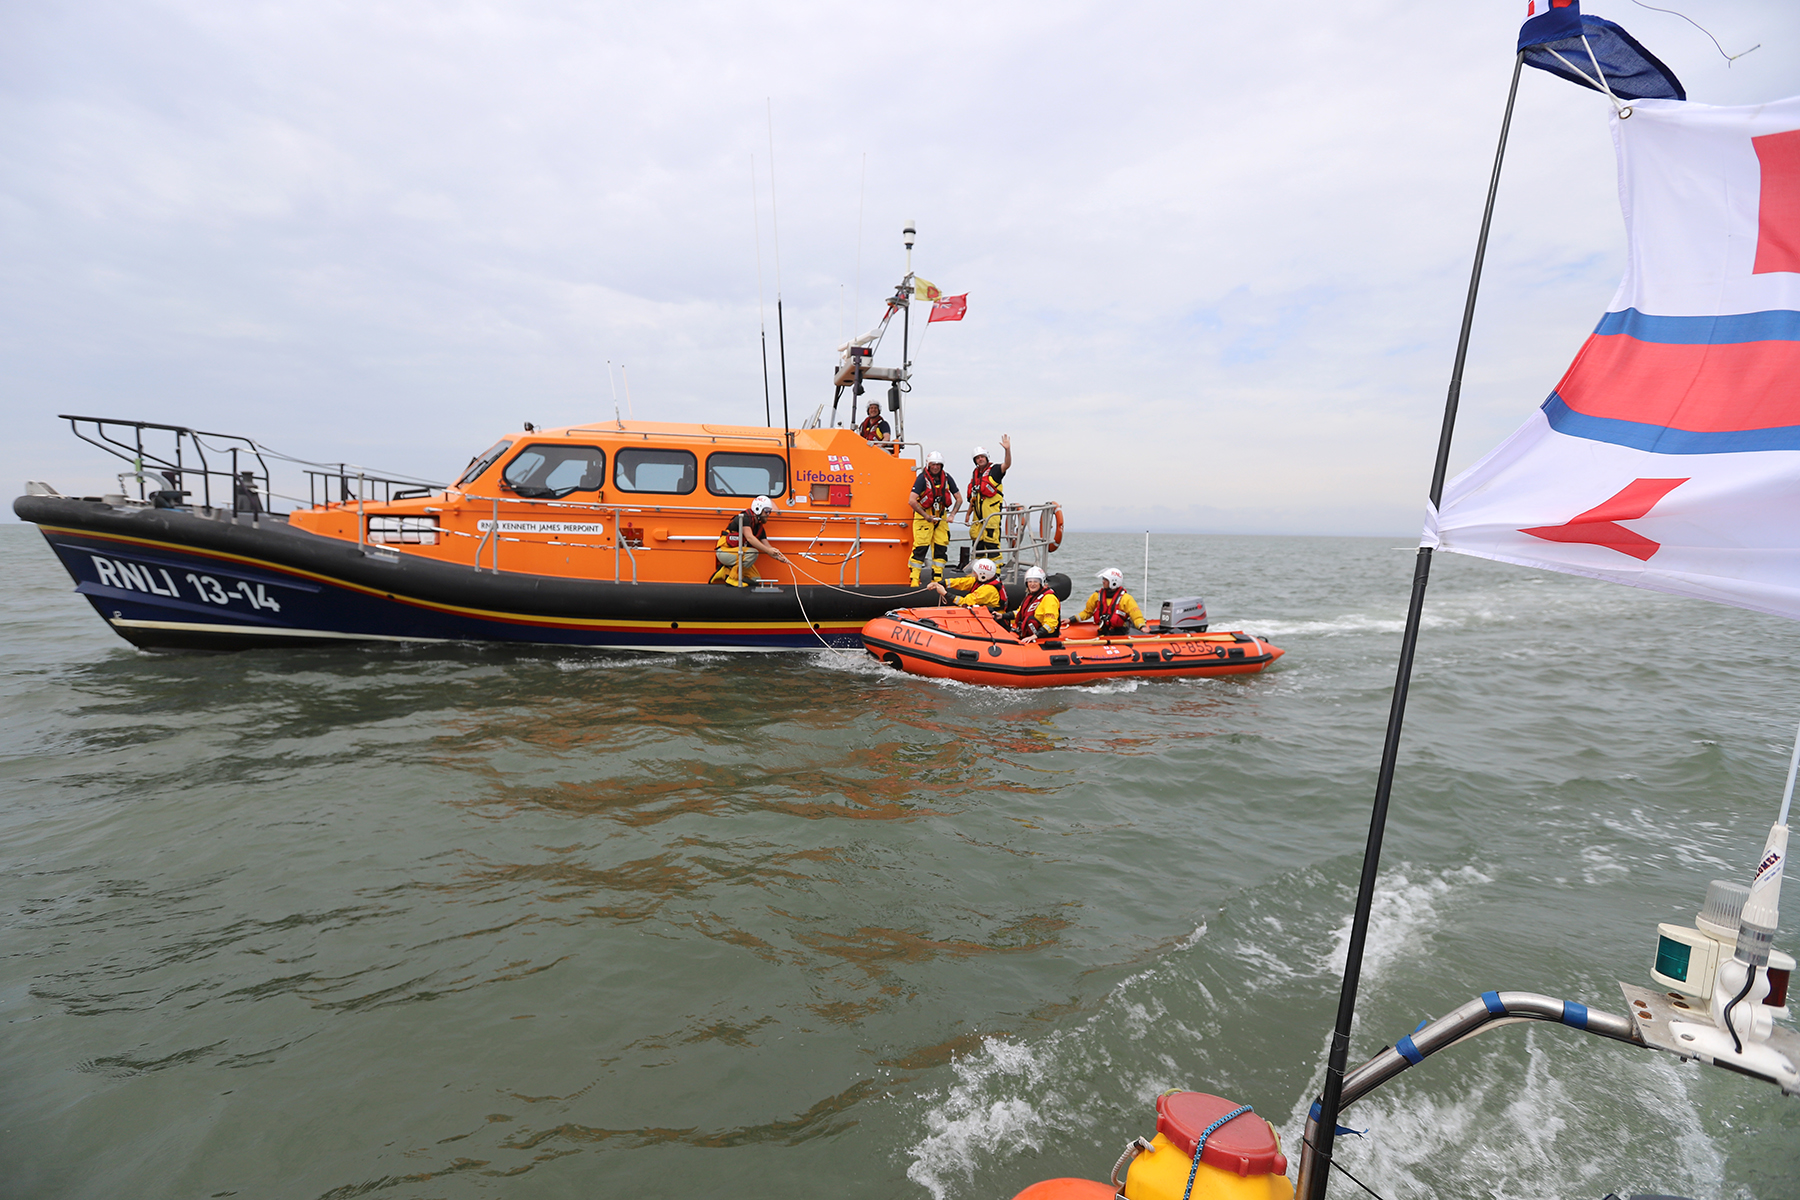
point(1107, 615)
point(982, 485)
point(1027, 619)
point(730, 532)
point(939, 493)
point(871, 429)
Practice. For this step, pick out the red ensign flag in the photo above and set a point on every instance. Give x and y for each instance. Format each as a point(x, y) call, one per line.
point(950, 308)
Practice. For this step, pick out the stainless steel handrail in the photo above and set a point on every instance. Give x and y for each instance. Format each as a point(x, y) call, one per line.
point(1490, 1010)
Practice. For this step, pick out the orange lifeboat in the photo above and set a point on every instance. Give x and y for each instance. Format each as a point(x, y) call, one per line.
point(968, 644)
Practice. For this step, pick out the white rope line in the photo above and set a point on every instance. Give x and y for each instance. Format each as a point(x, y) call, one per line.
point(1619, 107)
point(815, 629)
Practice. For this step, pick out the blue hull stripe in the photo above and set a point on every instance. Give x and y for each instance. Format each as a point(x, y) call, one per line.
point(1659, 439)
point(1775, 325)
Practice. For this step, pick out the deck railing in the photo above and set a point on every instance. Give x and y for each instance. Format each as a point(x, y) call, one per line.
point(169, 463)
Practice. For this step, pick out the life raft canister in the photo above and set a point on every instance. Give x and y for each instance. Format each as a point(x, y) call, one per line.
point(1241, 1160)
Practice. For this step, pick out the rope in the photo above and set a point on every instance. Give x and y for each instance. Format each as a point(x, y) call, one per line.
point(833, 587)
point(1353, 1179)
point(814, 628)
point(1200, 1144)
point(1729, 58)
point(1619, 106)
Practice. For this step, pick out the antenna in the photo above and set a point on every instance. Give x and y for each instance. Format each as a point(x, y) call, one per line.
point(1787, 793)
point(907, 235)
point(762, 322)
point(627, 379)
point(861, 201)
point(615, 395)
point(780, 326)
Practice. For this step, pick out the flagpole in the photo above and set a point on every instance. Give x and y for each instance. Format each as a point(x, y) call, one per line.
point(1315, 1159)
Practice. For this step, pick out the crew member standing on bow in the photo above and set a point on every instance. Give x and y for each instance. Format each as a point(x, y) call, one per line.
point(983, 587)
point(1040, 612)
point(934, 501)
point(741, 541)
point(874, 428)
point(1113, 611)
point(985, 499)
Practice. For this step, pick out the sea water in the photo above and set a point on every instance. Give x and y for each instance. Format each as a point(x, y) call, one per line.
point(534, 922)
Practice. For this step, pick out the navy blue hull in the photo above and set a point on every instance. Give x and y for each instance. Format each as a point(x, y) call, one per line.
point(170, 579)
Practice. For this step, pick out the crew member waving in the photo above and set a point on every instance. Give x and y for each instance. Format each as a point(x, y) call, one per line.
point(741, 541)
point(1112, 609)
point(985, 499)
point(934, 501)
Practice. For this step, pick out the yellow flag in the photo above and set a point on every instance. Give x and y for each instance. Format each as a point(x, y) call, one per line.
point(924, 289)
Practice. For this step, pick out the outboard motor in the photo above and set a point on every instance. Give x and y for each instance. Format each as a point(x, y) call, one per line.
point(1186, 614)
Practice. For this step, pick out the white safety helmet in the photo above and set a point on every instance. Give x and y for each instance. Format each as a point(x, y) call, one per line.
point(762, 505)
point(980, 452)
point(1032, 573)
point(934, 457)
point(1112, 577)
point(984, 569)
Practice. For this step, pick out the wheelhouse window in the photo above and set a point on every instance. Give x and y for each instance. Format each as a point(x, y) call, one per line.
point(671, 472)
point(745, 474)
point(550, 472)
point(482, 462)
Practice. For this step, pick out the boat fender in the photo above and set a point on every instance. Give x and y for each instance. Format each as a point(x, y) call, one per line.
point(1067, 1189)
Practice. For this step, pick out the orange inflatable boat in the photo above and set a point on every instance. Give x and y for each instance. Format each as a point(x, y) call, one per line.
point(970, 645)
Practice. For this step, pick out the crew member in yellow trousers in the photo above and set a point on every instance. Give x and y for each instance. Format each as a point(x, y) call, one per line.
point(985, 500)
point(934, 501)
point(741, 541)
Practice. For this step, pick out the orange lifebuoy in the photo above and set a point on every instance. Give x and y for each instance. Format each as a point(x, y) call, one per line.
point(1056, 539)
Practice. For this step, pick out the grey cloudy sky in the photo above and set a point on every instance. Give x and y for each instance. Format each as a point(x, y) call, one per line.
point(1215, 254)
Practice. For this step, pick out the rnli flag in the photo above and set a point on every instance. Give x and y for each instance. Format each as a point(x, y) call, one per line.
point(924, 289)
point(1668, 457)
point(950, 308)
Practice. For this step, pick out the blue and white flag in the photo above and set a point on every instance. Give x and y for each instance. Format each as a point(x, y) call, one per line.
point(1587, 50)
